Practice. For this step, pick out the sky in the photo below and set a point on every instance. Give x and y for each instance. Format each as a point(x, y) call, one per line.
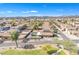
point(39, 9)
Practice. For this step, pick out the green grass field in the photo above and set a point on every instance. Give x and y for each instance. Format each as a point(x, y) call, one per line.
point(62, 53)
point(45, 50)
point(23, 52)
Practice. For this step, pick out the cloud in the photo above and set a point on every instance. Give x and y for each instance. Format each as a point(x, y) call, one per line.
point(25, 12)
point(72, 10)
point(38, 15)
point(32, 11)
point(9, 11)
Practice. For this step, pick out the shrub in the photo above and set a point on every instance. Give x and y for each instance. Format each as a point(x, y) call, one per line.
point(28, 46)
point(62, 53)
point(68, 45)
point(47, 47)
point(51, 51)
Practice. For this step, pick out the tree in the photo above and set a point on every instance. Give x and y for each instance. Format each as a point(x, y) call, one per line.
point(65, 21)
point(35, 27)
point(37, 24)
point(14, 36)
point(55, 30)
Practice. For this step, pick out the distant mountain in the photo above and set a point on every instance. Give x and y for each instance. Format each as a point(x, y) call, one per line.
point(38, 17)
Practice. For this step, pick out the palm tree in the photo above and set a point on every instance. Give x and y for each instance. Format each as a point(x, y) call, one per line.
point(14, 36)
point(35, 27)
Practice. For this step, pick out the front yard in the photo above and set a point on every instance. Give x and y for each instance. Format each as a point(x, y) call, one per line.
point(44, 50)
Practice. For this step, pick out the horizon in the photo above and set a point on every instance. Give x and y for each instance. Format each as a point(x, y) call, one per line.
point(44, 16)
point(38, 9)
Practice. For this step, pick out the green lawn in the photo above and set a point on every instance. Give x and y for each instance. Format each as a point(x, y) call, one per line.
point(23, 52)
point(62, 53)
point(46, 49)
point(68, 45)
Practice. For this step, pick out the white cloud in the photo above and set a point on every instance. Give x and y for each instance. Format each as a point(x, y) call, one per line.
point(72, 10)
point(32, 11)
point(9, 11)
point(38, 15)
point(25, 12)
point(3, 12)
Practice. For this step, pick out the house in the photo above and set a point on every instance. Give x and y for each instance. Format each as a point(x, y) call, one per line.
point(36, 34)
point(5, 35)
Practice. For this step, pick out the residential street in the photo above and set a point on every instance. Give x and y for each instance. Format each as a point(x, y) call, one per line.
point(61, 33)
point(21, 44)
point(66, 36)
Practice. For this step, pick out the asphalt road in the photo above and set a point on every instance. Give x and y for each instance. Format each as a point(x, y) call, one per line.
point(65, 37)
point(61, 33)
point(21, 44)
point(35, 42)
